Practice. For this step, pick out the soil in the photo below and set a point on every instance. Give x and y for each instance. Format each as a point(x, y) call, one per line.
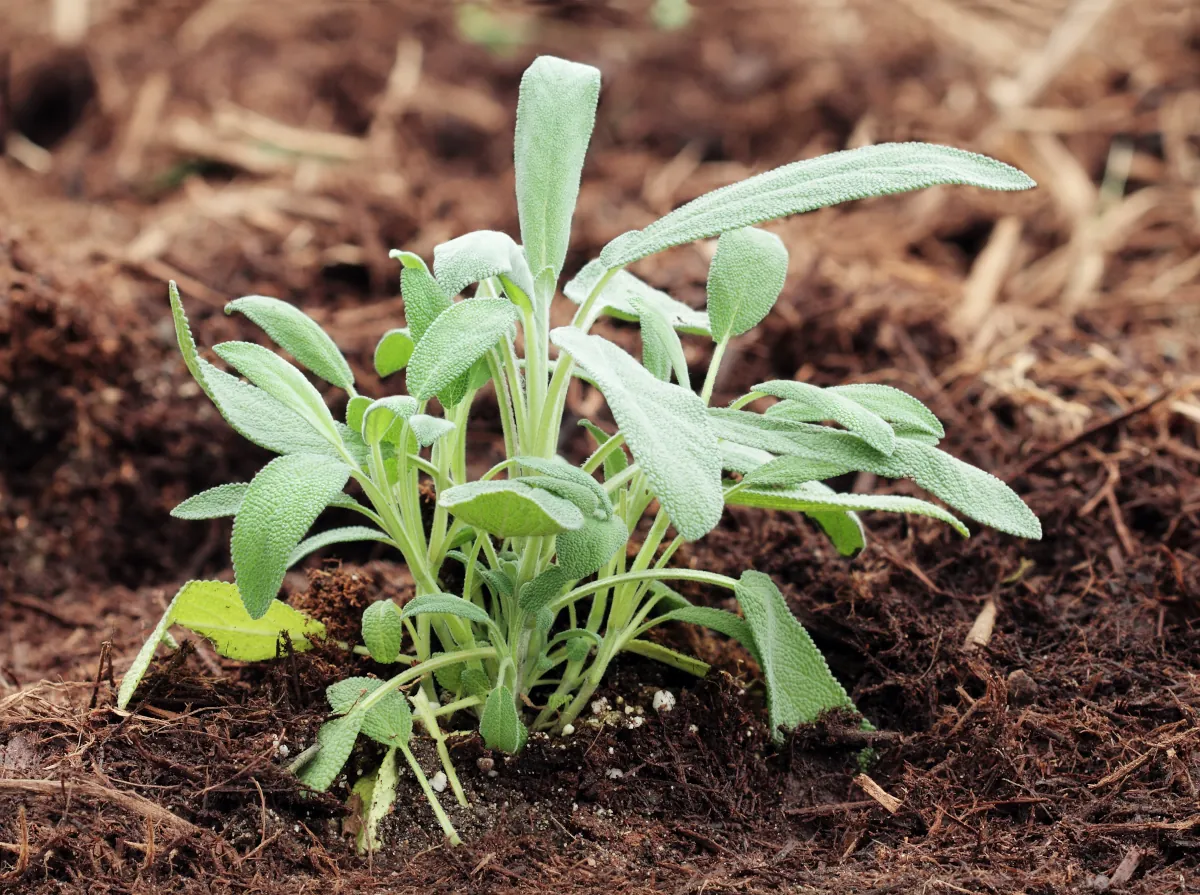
point(1056, 332)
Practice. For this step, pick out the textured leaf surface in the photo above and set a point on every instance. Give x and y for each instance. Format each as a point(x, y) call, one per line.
point(348, 534)
point(446, 604)
point(538, 593)
point(806, 499)
point(500, 725)
point(214, 503)
point(388, 722)
point(382, 631)
point(894, 406)
point(662, 352)
point(279, 379)
point(665, 426)
point(214, 609)
point(617, 299)
point(393, 351)
point(424, 298)
point(280, 505)
point(718, 620)
point(474, 257)
point(815, 183)
point(336, 741)
point(555, 115)
point(380, 416)
point(844, 529)
point(582, 552)
point(799, 683)
point(297, 334)
point(559, 468)
point(457, 339)
point(809, 403)
point(427, 429)
point(744, 280)
point(511, 509)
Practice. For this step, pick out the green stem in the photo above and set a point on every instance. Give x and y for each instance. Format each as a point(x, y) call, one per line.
point(431, 796)
point(425, 713)
point(714, 365)
point(648, 575)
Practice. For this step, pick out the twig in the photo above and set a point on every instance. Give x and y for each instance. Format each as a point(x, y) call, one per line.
point(127, 800)
point(890, 803)
point(981, 631)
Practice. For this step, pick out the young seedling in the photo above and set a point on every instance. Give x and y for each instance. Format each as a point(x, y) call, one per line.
point(550, 594)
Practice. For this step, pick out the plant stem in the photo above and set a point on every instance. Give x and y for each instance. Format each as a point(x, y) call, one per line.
point(714, 365)
point(648, 575)
point(431, 796)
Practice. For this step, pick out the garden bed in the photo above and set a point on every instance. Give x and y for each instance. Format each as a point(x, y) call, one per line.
point(1054, 750)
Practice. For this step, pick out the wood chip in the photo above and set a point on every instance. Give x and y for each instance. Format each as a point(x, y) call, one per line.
point(981, 631)
point(890, 803)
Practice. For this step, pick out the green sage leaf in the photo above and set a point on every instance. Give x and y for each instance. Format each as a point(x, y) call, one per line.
point(382, 631)
point(393, 351)
point(617, 299)
point(511, 509)
point(585, 551)
point(808, 403)
point(744, 280)
point(477, 256)
point(388, 722)
point(297, 334)
point(214, 503)
point(445, 604)
point(335, 740)
point(457, 339)
point(500, 724)
point(348, 534)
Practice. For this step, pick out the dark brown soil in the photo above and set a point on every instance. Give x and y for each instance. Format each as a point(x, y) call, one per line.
point(1056, 332)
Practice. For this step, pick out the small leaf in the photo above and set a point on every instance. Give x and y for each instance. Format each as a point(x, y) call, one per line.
point(457, 339)
point(424, 298)
point(477, 256)
point(511, 509)
point(662, 352)
point(537, 594)
point(894, 406)
point(279, 379)
point(382, 415)
point(844, 530)
point(382, 631)
point(388, 722)
point(336, 741)
point(582, 552)
point(348, 534)
point(299, 335)
point(378, 794)
point(355, 408)
point(799, 683)
point(811, 184)
point(445, 604)
point(744, 280)
point(393, 351)
point(280, 505)
point(214, 609)
point(666, 427)
point(578, 648)
point(475, 682)
point(618, 299)
point(500, 725)
point(555, 115)
point(214, 503)
point(428, 429)
point(810, 404)
point(583, 497)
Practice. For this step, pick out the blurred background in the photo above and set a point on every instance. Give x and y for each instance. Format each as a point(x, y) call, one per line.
point(246, 147)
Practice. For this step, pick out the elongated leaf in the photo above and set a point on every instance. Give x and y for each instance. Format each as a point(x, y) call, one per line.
point(741, 459)
point(718, 620)
point(279, 379)
point(617, 299)
point(280, 505)
point(511, 509)
point(424, 298)
point(582, 552)
point(393, 351)
point(582, 496)
point(555, 115)
point(667, 656)
point(559, 468)
point(814, 183)
point(346, 535)
point(541, 591)
point(388, 722)
point(335, 740)
point(793, 470)
point(377, 795)
point(751, 430)
point(214, 609)
point(214, 503)
point(662, 352)
point(799, 683)
point(457, 339)
point(500, 725)
point(894, 406)
point(446, 604)
point(806, 500)
point(665, 426)
point(380, 417)
point(808, 403)
point(474, 257)
point(744, 280)
point(382, 631)
point(355, 408)
point(297, 334)
point(844, 529)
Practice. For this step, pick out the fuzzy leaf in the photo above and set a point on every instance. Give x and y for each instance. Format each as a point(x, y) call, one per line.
point(558, 468)
point(279, 379)
point(474, 257)
point(815, 183)
point(538, 593)
point(799, 683)
point(807, 500)
point(665, 426)
point(895, 406)
point(555, 115)
point(662, 352)
point(424, 298)
point(427, 429)
point(382, 415)
point(744, 280)
point(280, 505)
point(336, 741)
point(388, 722)
point(382, 631)
point(617, 299)
point(582, 496)
point(297, 334)
point(445, 604)
point(214, 609)
point(511, 509)
point(393, 351)
point(355, 408)
point(214, 503)
point(844, 529)
point(717, 620)
point(346, 535)
point(810, 404)
point(500, 725)
point(457, 339)
point(582, 552)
